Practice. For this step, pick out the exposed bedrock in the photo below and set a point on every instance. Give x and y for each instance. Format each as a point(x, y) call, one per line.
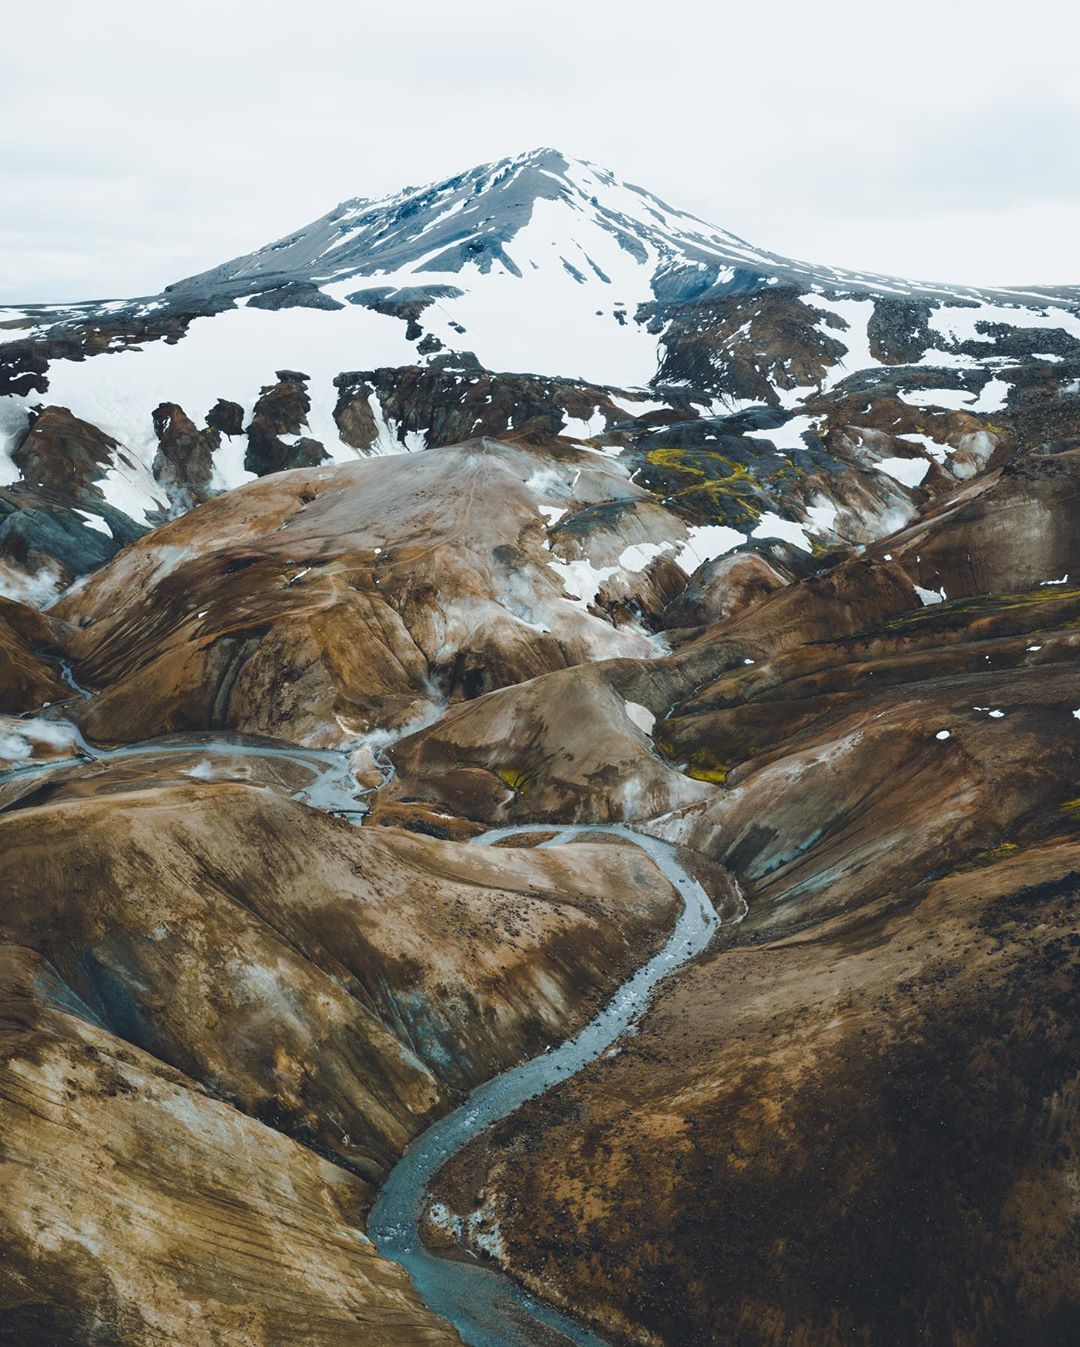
point(55, 521)
point(226, 417)
point(748, 345)
point(340, 597)
point(184, 463)
point(452, 398)
point(275, 439)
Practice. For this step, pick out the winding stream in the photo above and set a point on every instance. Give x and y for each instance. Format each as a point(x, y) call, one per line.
point(332, 787)
point(486, 1307)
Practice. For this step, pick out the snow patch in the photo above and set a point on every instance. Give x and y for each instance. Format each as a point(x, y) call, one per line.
point(771, 525)
point(640, 716)
point(908, 471)
point(705, 542)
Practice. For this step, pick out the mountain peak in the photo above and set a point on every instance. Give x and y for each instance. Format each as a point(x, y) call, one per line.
point(478, 219)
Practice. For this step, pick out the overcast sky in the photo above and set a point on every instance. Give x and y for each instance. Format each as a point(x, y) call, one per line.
point(935, 139)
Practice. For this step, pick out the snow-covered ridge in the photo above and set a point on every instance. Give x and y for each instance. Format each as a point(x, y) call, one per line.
point(539, 265)
point(482, 219)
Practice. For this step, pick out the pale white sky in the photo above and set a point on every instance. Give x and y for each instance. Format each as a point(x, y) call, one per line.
point(936, 139)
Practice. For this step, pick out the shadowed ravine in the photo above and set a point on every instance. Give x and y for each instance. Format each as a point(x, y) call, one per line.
point(487, 1308)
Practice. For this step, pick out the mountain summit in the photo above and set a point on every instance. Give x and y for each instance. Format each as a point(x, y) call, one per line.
point(538, 292)
point(518, 214)
point(527, 213)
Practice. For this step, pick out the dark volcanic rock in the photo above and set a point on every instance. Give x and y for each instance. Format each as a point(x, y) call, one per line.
point(89, 330)
point(184, 463)
point(452, 398)
point(282, 409)
point(23, 369)
point(48, 542)
point(899, 330)
point(63, 453)
point(748, 345)
point(407, 303)
point(226, 416)
point(294, 295)
point(45, 534)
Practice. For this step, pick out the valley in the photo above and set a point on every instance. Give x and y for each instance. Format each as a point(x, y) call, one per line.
point(539, 792)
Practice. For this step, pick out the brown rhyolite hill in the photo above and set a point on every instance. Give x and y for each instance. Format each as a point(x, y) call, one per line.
point(235, 1012)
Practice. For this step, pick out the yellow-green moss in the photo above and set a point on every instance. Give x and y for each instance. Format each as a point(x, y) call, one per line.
point(512, 779)
point(985, 858)
point(705, 766)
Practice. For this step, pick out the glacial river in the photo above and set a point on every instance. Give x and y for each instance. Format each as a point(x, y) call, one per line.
point(487, 1308)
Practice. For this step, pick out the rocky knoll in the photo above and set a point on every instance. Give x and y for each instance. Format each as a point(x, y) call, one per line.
point(363, 595)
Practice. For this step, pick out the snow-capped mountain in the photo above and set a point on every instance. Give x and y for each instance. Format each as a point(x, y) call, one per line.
point(542, 292)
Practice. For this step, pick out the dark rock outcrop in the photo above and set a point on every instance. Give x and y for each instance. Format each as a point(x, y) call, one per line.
point(748, 345)
point(899, 330)
point(282, 409)
point(452, 398)
point(184, 463)
point(63, 453)
point(227, 417)
point(55, 522)
point(294, 295)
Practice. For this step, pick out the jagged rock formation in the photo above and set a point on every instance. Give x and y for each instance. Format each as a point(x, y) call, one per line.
point(226, 416)
point(184, 462)
point(274, 439)
point(453, 398)
point(56, 522)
